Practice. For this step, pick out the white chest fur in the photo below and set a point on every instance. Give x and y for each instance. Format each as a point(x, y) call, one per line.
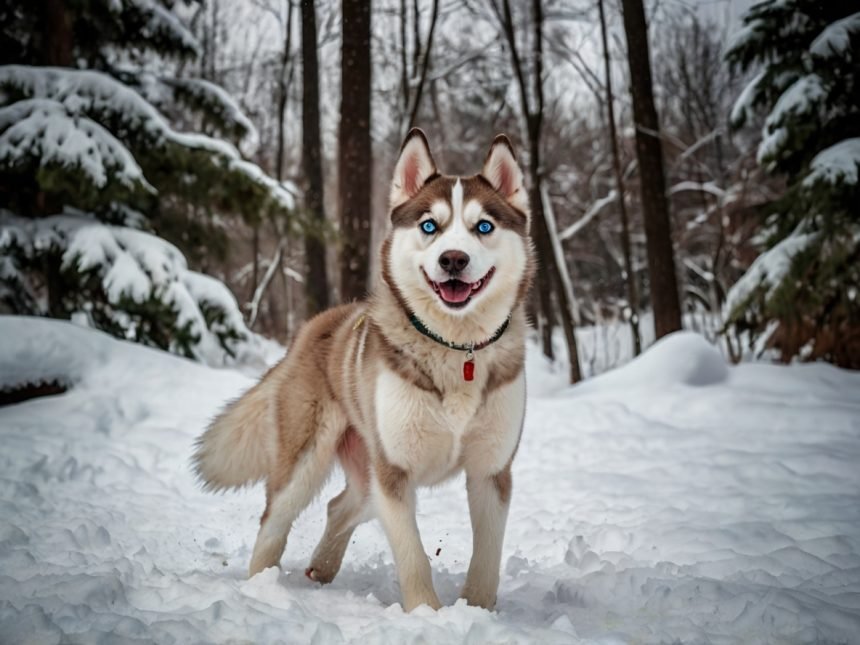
point(419, 432)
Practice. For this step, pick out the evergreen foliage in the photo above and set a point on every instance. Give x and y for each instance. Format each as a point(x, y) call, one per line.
point(802, 295)
point(94, 131)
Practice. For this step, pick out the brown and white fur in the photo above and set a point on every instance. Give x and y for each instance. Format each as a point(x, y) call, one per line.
point(360, 385)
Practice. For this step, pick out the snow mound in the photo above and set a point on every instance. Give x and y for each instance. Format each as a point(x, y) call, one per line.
point(46, 351)
point(677, 500)
point(682, 358)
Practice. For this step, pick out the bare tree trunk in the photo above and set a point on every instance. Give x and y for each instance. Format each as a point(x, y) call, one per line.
point(630, 277)
point(255, 262)
point(546, 315)
point(57, 50)
point(316, 284)
point(283, 93)
point(549, 273)
point(404, 65)
point(416, 35)
point(354, 154)
point(58, 37)
point(563, 296)
point(284, 82)
point(425, 66)
point(655, 205)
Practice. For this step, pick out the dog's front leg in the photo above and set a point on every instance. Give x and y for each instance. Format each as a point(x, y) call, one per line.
point(489, 498)
point(394, 501)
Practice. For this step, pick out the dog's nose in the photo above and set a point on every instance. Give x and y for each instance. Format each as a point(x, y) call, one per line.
point(453, 261)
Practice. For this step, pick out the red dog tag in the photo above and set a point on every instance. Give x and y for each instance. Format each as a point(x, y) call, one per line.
point(469, 370)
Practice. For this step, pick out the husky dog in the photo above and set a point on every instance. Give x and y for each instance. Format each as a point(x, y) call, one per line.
point(421, 381)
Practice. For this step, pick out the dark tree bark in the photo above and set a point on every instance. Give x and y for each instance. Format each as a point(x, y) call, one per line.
point(57, 49)
point(549, 273)
point(57, 34)
point(632, 290)
point(649, 153)
point(354, 154)
point(416, 35)
point(316, 282)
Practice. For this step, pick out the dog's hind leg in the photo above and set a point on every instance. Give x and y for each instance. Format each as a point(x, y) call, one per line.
point(345, 512)
point(285, 501)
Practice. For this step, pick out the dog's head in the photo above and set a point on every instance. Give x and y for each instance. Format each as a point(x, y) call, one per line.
point(459, 249)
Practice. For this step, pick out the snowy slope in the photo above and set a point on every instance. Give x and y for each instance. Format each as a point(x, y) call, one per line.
point(674, 499)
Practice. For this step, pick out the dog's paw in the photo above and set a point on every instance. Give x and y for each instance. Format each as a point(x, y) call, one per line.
point(320, 575)
point(476, 598)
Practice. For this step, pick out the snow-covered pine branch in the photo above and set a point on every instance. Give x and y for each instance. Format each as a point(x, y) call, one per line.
point(149, 24)
point(838, 163)
point(135, 121)
point(206, 99)
point(41, 132)
point(130, 282)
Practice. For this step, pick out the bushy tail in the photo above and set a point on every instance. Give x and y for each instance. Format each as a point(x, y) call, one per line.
point(240, 445)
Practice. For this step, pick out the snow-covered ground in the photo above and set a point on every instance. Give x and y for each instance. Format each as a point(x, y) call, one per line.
point(672, 500)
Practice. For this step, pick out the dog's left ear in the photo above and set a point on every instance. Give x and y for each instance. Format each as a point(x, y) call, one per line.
point(502, 171)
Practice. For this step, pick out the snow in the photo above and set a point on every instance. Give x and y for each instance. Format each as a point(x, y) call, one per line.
point(767, 271)
point(43, 128)
point(676, 499)
point(835, 40)
point(838, 163)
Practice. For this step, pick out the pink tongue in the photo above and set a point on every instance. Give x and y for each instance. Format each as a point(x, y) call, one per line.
point(454, 290)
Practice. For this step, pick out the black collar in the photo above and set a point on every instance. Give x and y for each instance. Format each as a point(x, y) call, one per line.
point(471, 347)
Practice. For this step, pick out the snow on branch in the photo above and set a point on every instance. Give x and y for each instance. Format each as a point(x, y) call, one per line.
point(835, 40)
point(767, 272)
point(157, 23)
point(215, 103)
point(802, 99)
point(43, 129)
point(838, 163)
point(136, 272)
point(742, 109)
point(589, 215)
point(695, 186)
point(104, 99)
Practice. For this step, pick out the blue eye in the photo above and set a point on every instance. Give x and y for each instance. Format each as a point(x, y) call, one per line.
point(429, 226)
point(485, 227)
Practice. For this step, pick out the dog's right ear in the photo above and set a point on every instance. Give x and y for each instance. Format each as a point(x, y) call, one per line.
point(414, 167)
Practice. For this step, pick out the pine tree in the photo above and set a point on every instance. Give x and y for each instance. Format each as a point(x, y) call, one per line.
point(802, 295)
point(93, 163)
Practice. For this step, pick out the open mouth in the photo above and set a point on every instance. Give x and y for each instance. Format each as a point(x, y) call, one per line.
point(456, 294)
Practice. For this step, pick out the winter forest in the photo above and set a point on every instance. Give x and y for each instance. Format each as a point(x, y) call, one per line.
point(184, 183)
